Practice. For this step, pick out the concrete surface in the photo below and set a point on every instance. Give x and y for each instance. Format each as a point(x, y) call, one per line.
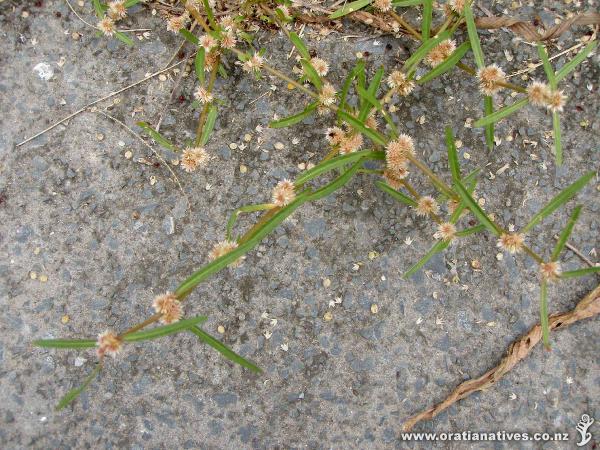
point(88, 237)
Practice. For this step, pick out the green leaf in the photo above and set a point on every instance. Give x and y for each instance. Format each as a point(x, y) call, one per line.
point(580, 272)
point(223, 349)
point(452, 155)
point(476, 209)
point(396, 194)
point(244, 209)
point(124, 38)
point(570, 66)
point(210, 15)
point(359, 67)
point(437, 248)
point(544, 313)
point(404, 3)
point(337, 183)
point(473, 36)
point(157, 136)
point(564, 196)
point(427, 18)
point(557, 138)
point(447, 65)
point(488, 109)
point(566, 233)
point(199, 64)
point(423, 50)
point(472, 230)
point(65, 343)
point(334, 163)
point(76, 392)
point(99, 9)
point(299, 44)
point(370, 98)
point(130, 3)
point(547, 66)
point(189, 37)
point(501, 113)
point(358, 126)
point(370, 95)
point(209, 125)
point(311, 73)
point(165, 330)
point(350, 7)
point(292, 120)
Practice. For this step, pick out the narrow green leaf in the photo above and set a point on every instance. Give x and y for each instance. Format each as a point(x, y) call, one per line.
point(476, 209)
point(350, 7)
point(468, 231)
point(223, 349)
point(244, 209)
point(209, 125)
point(130, 3)
point(370, 95)
point(199, 64)
point(210, 14)
point(404, 3)
point(124, 38)
point(165, 330)
point(544, 313)
point(566, 233)
point(299, 44)
point(99, 9)
point(311, 73)
point(580, 272)
point(447, 65)
point(292, 120)
point(547, 66)
point(427, 18)
point(488, 109)
point(76, 392)
point(337, 183)
point(452, 155)
point(336, 162)
point(570, 66)
point(189, 37)
point(157, 136)
point(564, 196)
point(370, 98)
point(359, 67)
point(396, 194)
point(501, 113)
point(473, 36)
point(65, 343)
point(437, 248)
point(423, 50)
point(557, 138)
point(358, 126)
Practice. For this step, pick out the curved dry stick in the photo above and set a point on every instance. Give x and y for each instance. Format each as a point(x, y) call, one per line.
point(518, 350)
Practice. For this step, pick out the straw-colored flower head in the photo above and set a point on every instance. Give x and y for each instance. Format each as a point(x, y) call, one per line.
point(457, 5)
point(512, 243)
point(398, 150)
point(327, 96)
point(372, 122)
point(221, 249)
point(426, 206)
point(210, 60)
point(227, 23)
point(383, 5)
point(107, 26)
point(394, 177)
point(351, 143)
point(283, 193)
point(254, 63)
point(550, 271)
point(489, 77)
point(117, 10)
point(440, 52)
point(334, 135)
point(446, 231)
point(538, 93)
point(228, 40)
point(207, 42)
point(193, 158)
point(400, 83)
point(176, 23)
point(320, 65)
point(108, 343)
point(556, 101)
point(169, 307)
point(202, 95)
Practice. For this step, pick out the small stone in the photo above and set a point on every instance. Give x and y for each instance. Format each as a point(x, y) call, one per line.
point(247, 137)
point(233, 146)
point(65, 319)
point(279, 146)
point(79, 361)
point(326, 282)
point(100, 136)
point(25, 14)
point(33, 275)
point(43, 278)
point(466, 155)
point(476, 264)
point(128, 154)
point(374, 308)
point(162, 77)
point(243, 169)
point(499, 256)
point(328, 316)
point(221, 329)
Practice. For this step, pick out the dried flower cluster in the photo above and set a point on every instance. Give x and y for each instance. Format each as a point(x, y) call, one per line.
point(489, 78)
point(193, 158)
point(512, 243)
point(346, 140)
point(383, 5)
point(427, 206)
point(108, 343)
point(169, 307)
point(540, 94)
point(284, 193)
point(400, 83)
point(221, 249)
point(440, 52)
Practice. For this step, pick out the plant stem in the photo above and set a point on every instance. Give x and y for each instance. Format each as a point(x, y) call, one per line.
point(204, 114)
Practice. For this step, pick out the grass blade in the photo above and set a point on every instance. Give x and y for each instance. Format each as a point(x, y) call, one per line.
point(130, 3)
point(336, 162)
point(156, 136)
point(580, 272)
point(209, 125)
point(210, 15)
point(566, 233)
point(224, 350)
point(488, 108)
point(76, 392)
point(299, 44)
point(360, 67)
point(292, 120)
point(358, 126)
point(423, 50)
point(501, 113)
point(311, 73)
point(476, 209)
point(578, 59)
point(199, 64)
point(396, 194)
point(350, 7)
point(427, 18)
point(124, 38)
point(564, 196)
point(99, 9)
point(438, 247)
point(447, 65)
point(473, 36)
point(404, 3)
point(165, 330)
point(452, 155)
point(335, 184)
point(65, 343)
point(370, 99)
point(370, 95)
point(244, 209)
point(557, 138)
point(472, 230)
point(544, 314)
point(189, 37)
point(547, 66)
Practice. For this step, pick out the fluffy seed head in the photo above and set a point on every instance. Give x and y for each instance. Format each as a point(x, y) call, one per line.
point(210, 59)
point(283, 193)
point(394, 177)
point(397, 80)
point(489, 77)
point(550, 271)
point(327, 96)
point(202, 95)
point(207, 42)
point(320, 65)
point(193, 158)
point(556, 101)
point(383, 5)
point(440, 52)
point(426, 206)
point(351, 143)
point(228, 40)
point(107, 26)
point(227, 23)
point(512, 243)
point(254, 63)
point(221, 249)
point(176, 23)
point(538, 93)
point(108, 343)
point(398, 150)
point(169, 307)
point(457, 5)
point(117, 10)
point(446, 231)
point(334, 135)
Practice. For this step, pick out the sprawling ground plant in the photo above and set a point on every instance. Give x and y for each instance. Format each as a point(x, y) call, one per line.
point(364, 139)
